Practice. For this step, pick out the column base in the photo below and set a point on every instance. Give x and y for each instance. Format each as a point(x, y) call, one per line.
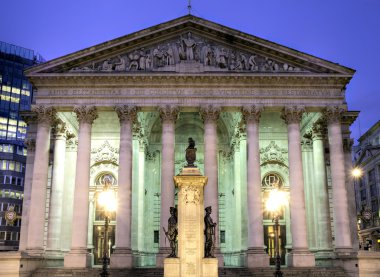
point(78, 258)
point(209, 267)
point(219, 256)
point(299, 258)
point(257, 257)
point(18, 264)
point(35, 252)
point(172, 267)
point(163, 253)
point(53, 258)
point(121, 258)
point(324, 258)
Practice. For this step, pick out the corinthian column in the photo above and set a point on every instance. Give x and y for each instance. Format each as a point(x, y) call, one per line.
point(324, 239)
point(122, 256)
point(78, 255)
point(35, 242)
point(210, 115)
point(339, 193)
point(256, 256)
point(300, 255)
point(168, 116)
point(55, 209)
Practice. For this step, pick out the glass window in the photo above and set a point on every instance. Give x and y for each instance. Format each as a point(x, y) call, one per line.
point(2, 235)
point(375, 206)
point(8, 235)
point(373, 190)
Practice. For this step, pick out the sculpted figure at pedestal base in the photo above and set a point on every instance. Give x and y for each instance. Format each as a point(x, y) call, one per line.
point(209, 234)
point(172, 232)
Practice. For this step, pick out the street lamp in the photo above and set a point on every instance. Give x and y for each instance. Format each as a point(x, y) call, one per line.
point(277, 199)
point(107, 200)
point(357, 172)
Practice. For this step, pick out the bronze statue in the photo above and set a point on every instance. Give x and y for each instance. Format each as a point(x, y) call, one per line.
point(172, 232)
point(209, 234)
point(191, 153)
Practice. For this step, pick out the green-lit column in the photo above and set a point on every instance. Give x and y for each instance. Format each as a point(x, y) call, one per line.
point(324, 237)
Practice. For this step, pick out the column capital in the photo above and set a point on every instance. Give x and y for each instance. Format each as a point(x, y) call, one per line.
point(210, 113)
point(168, 113)
point(126, 112)
point(60, 129)
point(86, 114)
point(292, 114)
point(72, 144)
point(306, 144)
point(318, 131)
point(44, 114)
point(347, 144)
point(251, 113)
point(333, 114)
point(30, 144)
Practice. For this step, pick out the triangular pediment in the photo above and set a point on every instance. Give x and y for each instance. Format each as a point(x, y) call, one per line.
point(189, 45)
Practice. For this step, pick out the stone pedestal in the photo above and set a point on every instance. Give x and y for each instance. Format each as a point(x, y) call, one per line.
point(190, 261)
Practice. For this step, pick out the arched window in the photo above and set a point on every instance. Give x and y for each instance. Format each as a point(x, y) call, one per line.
point(272, 180)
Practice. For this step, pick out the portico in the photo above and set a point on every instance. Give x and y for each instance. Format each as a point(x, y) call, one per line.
point(125, 109)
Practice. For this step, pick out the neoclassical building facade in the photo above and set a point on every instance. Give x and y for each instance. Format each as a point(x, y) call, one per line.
point(261, 115)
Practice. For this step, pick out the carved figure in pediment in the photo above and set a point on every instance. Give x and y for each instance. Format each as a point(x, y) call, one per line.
point(233, 62)
point(221, 57)
point(148, 62)
point(169, 56)
point(158, 57)
point(121, 65)
point(243, 62)
point(208, 55)
point(107, 65)
point(134, 61)
point(189, 45)
point(142, 60)
point(252, 64)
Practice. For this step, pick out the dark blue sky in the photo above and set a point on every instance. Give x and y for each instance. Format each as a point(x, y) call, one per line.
point(342, 31)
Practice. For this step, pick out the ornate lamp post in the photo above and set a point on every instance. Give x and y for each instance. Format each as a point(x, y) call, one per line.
point(276, 201)
point(107, 200)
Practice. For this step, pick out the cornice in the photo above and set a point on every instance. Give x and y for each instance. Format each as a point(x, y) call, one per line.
point(199, 79)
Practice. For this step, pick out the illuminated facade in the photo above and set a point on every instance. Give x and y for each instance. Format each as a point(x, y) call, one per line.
point(367, 188)
point(16, 93)
point(262, 115)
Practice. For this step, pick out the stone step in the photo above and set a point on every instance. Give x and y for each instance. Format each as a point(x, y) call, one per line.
point(159, 272)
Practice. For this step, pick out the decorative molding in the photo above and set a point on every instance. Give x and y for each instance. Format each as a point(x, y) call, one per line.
point(105, 154)
point(60, 129)
point(252, 113)
point(210, 113)
point(45, 114)
point(292, 114)
point(71, 144)
point(86, 114)
point(273, 154)
point(191, 195)
point(126, 112)
point(319, 130)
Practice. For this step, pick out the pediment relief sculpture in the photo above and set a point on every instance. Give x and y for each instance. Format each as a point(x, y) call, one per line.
point(188, 52)
point(273, 154)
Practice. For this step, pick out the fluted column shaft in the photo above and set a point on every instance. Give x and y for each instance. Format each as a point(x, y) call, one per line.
point(292, 116)
point(127, 115)
point(255, 209)
point(35, 243)
point(168, 115)
point(78, 256)
point(339, 193)
point(322, 197)
point(210, 115)
point(55, 208)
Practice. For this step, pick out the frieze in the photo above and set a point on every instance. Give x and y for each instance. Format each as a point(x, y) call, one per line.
point(188, 53)
point(105, 154)
point(191, 195)
point(199, 92)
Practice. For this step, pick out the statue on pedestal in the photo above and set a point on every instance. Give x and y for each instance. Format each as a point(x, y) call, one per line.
point(209, 234)
point(172, 232)
point(191, 153)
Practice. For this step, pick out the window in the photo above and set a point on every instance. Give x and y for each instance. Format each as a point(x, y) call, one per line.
point(156, 236)
point(2, 235)
point(272, 180)
point(222, 236)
